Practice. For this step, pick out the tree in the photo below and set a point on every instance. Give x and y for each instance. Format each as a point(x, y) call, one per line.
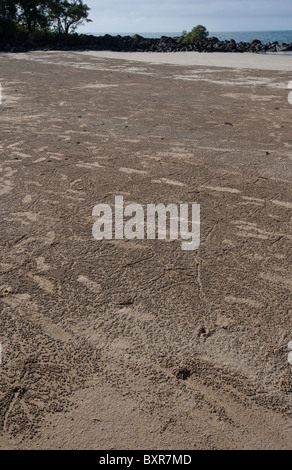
point(67, 16)
point(33, 14)
point(7, 10)
point(198, 34)
point(63, 16)
point(7, 18)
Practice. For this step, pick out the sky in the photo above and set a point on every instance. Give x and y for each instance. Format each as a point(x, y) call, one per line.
point(176, 15)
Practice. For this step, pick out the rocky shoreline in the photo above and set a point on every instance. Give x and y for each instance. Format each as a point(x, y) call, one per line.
point(136, 44)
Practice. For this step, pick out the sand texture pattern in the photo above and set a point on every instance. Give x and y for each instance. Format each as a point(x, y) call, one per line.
point(119, 344)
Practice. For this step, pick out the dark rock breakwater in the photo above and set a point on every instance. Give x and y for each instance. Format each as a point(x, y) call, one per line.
point(136, 43)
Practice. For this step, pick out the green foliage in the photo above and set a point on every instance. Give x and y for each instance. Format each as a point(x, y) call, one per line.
point(198, 34)
point(33, 14)
point(39, 35)
point(7, 17)
point(67, 16)
point(62, 16)
point(8, 29)
point(74, 39)
point(7, 10)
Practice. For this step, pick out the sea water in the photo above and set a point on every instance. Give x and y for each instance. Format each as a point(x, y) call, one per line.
point(238, 36)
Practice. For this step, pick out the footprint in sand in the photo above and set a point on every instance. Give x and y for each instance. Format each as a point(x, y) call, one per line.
point(172, 182)
point(222, 189)
point(41, 265)
point(50, 238)
point(91, 285)
point(133, 170)
point(43, 284)
point(290, 94)
point(290, 353)
point(27, 199)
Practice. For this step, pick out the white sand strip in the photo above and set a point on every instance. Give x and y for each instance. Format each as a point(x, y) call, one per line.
point(217, 59)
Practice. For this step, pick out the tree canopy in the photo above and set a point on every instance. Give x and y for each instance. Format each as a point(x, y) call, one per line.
point(66, 15)
point(198, 34)
point(8, 10)
point(62, 16)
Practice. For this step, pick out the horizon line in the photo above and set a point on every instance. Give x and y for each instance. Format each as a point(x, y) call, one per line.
point(226, 31)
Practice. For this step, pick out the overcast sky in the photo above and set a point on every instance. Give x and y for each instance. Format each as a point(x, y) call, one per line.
point(176, 15)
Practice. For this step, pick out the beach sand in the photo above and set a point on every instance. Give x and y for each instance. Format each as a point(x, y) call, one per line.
point(227, 59)
point(119, 344)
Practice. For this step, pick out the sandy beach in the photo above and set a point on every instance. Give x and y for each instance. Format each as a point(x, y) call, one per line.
point(226, 59)
point(137, 344)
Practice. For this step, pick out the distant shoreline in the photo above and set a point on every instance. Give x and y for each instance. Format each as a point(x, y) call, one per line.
point(136, 43)
point(238, 36)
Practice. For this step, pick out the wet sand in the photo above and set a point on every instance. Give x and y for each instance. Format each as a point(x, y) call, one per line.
point(138, 344)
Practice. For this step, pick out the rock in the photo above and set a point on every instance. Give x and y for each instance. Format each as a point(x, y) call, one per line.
point(284, 47)
point(18, 49)
point(29, 45)
point(138, 43)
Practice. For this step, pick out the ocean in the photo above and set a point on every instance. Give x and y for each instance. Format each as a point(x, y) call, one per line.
point(238, 36)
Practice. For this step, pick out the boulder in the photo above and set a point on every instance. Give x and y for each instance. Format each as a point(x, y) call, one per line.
point(255, 41)
point(284, 47)
point(18, 49)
